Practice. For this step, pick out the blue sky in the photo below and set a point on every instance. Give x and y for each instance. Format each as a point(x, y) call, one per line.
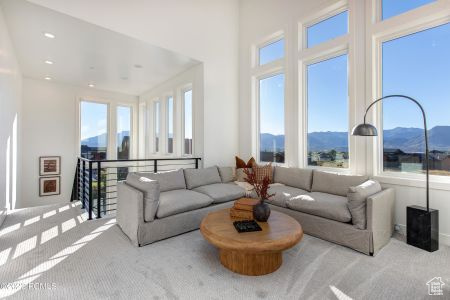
point(417, 65)
point(93, 119)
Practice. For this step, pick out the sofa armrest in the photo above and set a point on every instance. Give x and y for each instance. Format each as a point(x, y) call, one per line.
point(130, 211)
point(380, 217)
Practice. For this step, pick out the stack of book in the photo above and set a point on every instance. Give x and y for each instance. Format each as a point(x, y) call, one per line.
point(243, 208)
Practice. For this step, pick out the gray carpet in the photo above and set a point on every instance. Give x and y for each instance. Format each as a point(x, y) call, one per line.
point(52, 252)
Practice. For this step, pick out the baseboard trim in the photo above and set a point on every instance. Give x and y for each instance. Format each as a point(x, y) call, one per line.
point(444, 239)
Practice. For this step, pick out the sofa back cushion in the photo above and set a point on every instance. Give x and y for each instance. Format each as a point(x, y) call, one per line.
point(198, 177)
point(357, 198)
point(227, 174)
point(294, 177)
point(336, 184)
point(168, 181)
point(150, 189)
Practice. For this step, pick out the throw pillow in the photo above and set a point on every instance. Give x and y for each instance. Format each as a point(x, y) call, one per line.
point(357, 198)
point(240, 163)
point(240, 175)
point(263, 171)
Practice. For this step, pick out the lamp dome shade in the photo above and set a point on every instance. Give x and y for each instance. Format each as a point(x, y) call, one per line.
point(364, 130)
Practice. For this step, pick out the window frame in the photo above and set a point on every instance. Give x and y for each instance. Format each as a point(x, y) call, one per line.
point(326, 50)
point(315, 19)
point(260, 72)
point(109, 150)
point(131, 127)
point(183, 90)
point(307, 63)
point(413, 21)
point(166, 101)
point(156, 148)
point(272, 73)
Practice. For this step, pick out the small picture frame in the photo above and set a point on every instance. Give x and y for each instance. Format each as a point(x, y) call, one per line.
point(49, 186)
point(49, 165)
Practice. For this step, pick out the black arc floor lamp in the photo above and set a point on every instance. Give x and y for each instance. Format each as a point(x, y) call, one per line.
point(422, 223)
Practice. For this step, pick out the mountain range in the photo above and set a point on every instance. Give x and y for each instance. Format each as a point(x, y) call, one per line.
point(102, 139)
point(409, 140)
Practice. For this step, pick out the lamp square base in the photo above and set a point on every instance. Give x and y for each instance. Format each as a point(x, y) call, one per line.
point(422, 228)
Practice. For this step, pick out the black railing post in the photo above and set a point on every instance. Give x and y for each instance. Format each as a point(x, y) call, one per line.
point(196, 163)
point(99, 189)
point(83, 186)
point(90, 191)
point(78, 179)
point(155, 166)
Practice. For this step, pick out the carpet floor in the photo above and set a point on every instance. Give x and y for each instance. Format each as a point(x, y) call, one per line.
point(53, 252)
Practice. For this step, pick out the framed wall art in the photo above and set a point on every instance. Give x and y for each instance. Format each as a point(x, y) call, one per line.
point(49, 186)
point(49, 165)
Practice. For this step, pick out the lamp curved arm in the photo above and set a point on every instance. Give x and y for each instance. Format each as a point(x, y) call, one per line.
point(425, 131)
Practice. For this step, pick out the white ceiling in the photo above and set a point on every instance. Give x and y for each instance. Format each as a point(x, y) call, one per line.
point(84, 53)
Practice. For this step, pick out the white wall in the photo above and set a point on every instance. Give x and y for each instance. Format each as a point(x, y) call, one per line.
point(262, 18)
point(50, 128)
point(10, 102)
point(192, 78)
point(202, 29)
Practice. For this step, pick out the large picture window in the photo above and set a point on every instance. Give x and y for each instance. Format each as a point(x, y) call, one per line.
point(327, 105)
point(417, 65)
point(94, 130)
point(271, 119)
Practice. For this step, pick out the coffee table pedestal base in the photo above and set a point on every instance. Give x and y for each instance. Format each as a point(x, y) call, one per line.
point(248, 263)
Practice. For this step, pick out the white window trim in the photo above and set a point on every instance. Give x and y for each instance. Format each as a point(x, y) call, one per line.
point(307, 56)
point(109, 142)
point(183, 90)
point(322, 15)
point(416, 20)
point(272, 38)
point(260, 72)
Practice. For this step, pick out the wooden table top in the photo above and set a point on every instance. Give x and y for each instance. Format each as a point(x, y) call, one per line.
point(280, 232)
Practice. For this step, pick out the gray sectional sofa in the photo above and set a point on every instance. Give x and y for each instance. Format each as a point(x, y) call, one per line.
point(348, 210)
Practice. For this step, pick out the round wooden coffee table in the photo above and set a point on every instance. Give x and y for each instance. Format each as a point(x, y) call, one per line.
point(251, 253)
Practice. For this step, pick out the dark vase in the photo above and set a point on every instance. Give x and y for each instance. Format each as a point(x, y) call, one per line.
point(261, 212)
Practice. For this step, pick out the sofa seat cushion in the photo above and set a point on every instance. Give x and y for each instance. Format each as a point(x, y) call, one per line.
point(324, 205)
point(179, 201)
point(283, 193)
point(222, 192)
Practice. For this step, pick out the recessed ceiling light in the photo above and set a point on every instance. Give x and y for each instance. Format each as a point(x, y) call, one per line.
point(49, 62)
point(138, 66)
point(48, 78)
point(91, 85)
point(49, 35)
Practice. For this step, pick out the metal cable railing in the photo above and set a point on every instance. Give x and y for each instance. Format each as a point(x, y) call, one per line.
point(95, 182)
